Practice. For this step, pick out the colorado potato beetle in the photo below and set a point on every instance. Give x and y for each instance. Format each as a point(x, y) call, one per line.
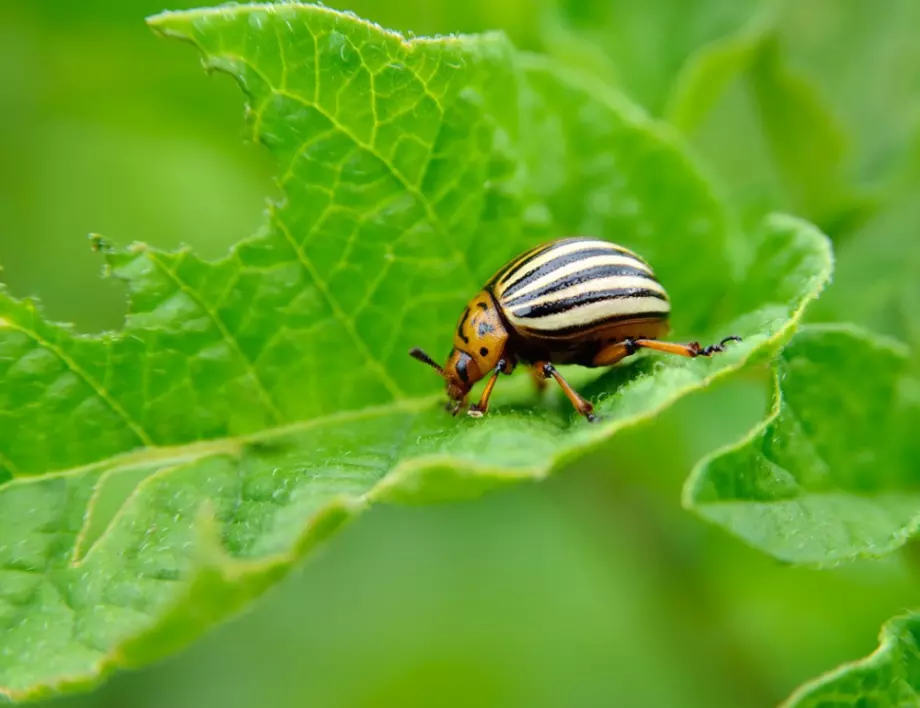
point(575, 300)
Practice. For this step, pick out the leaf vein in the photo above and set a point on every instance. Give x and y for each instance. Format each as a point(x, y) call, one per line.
point(225, 333)
point(100, 392)
point(411, 188)
point(347, 323)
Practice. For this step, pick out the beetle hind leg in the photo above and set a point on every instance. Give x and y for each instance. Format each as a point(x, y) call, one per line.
point(615, 352)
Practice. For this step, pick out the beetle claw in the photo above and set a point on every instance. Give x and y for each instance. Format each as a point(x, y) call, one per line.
point(720, 347)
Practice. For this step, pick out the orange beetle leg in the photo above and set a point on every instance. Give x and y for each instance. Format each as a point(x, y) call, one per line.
point(583, 406)
point(477, 410)
point(539, 380)
point(612, 354)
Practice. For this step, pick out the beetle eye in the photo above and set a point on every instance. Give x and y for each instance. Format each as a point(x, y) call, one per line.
point(461, 369)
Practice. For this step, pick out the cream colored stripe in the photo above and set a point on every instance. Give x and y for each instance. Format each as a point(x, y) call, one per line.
point(594, 312)
point(575, 267)
point(515, 274)
point(612, 283)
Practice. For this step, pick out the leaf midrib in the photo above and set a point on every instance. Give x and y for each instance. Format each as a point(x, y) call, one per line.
point(186, 452)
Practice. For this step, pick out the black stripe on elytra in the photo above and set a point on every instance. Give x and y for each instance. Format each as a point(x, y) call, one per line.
point(466, 313)
point(582, 330)
point(554, 307)
point(556, 263)
point(581, 276)
point(519, 262)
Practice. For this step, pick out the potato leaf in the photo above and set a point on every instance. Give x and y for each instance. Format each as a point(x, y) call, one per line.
point(781, 145)
point(154, 480)
point(642, 47)
point(890, 676)
point(826, 478)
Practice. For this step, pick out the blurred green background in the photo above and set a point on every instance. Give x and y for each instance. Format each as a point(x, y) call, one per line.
point(595, 588)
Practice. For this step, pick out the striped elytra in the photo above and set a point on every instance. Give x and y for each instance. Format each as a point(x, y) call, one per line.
point(576, 300)
point(571, 286)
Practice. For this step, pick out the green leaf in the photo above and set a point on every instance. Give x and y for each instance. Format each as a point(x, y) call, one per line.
point(828, 476)
point(785, 147)
point(159, 478)
point(868, 68)
point(890, 676)
point(805, 138)
point(875, 279)
point(796, 130)
point(641, 47)
point(806, 142)
point(803, 122)
point(706, 75)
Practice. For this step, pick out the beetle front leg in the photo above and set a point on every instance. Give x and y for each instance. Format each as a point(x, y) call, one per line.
point(477, 410)
point(581, 405)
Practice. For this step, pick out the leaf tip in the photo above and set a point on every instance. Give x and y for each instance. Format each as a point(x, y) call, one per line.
point(164, 23)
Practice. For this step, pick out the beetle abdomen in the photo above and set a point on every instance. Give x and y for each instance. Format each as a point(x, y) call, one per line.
point(573, 286)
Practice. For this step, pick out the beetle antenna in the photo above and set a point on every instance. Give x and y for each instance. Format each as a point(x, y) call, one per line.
point(417, 353)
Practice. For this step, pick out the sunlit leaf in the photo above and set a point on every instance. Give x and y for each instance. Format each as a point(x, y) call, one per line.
point(828, 476)
point(156, 479)
point(889, 677)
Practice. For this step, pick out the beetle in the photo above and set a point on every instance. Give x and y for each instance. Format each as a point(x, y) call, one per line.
point(576, 300)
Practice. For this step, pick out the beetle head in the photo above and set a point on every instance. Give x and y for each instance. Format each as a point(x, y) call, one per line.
point(460, 374)
point(480, 340)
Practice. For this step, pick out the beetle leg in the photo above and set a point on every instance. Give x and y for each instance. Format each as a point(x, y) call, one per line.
point(477, 410)
point(539, 380)
point(612, 354)
point(581, 405)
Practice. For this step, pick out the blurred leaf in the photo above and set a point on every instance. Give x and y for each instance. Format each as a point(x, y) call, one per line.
point(819, 119)
point(827, 477)
point(806, 141)
point(680, 61)
point(641, 47)
point(876, 281)
point(167, 474)
point(867, 64)
point(890, 676)
point(704, 77)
